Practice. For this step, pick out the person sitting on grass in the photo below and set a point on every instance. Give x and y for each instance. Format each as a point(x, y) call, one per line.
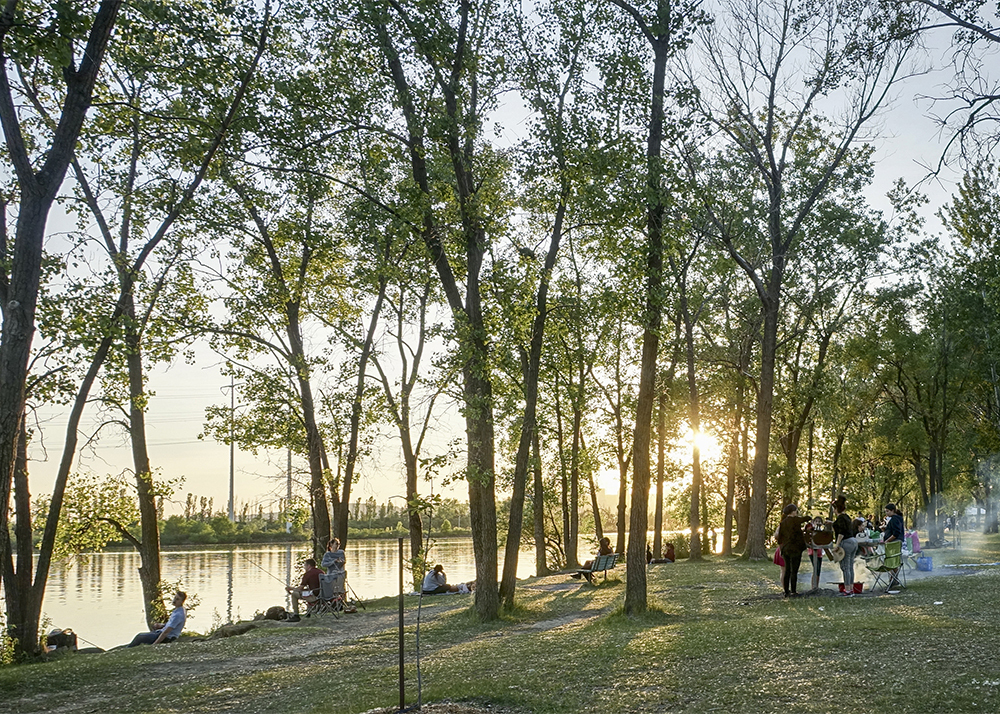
point(436, 582)
point(168, 631)
point(306, 590)
point(669, 555)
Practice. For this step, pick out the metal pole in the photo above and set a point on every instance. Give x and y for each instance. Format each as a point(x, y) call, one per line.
point(232, 450)
point(288, 501)
point(402, 681)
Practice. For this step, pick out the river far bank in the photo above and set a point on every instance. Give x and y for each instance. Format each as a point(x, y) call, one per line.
point(718, 636)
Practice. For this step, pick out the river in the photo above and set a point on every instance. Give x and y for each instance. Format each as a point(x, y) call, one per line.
point(100, 597)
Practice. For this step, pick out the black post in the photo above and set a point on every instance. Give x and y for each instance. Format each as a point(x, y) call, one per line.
point(402, 682)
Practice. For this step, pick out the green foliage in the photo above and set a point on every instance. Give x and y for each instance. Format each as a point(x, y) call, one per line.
point(96, 511)
point(177, 530)
point(6, 644)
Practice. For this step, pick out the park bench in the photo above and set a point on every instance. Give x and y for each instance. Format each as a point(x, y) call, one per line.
point(601, 564)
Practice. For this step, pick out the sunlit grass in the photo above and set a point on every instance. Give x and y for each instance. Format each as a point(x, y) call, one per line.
point(716, 637)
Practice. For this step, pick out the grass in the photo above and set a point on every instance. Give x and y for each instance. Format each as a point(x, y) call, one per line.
point(715, 639)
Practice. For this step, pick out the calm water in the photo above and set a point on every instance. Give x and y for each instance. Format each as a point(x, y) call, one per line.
point(101, 598)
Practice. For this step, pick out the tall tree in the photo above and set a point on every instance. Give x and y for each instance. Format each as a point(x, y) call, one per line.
point(284, 261)
point(164, 141)
point(667, 29)
point(436, 51)
point(769, 67)
point(26, 34)
point(551, 72)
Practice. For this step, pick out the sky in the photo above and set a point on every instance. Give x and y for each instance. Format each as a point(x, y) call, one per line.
point(909, 141)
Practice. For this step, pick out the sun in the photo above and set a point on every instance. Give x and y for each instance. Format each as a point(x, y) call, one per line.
point(708, 446)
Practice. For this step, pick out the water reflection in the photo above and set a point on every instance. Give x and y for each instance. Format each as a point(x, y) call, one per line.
point(101, 597)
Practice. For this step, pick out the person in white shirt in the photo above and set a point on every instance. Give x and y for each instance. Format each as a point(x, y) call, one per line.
point(168, 631)
point(436, 582)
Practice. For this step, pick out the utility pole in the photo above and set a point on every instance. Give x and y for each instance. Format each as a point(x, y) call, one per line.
point(288, 502)
point(232, 449)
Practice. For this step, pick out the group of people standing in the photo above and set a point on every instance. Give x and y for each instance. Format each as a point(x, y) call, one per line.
point(791, 538)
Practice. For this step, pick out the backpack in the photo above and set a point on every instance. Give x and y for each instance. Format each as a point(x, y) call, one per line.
point(276, 613)
point(60, 639)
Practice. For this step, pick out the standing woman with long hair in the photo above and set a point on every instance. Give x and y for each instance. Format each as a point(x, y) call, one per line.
point(792, 542)
point(843, 528)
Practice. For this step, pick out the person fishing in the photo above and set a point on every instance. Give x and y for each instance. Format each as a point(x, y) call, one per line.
point(306, 590)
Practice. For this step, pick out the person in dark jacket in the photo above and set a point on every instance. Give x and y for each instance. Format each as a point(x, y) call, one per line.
point(846, 530)
point(893, 524)
point(893, 531)
point(792, 543)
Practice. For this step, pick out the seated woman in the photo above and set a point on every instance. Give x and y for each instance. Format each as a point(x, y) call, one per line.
point(436, 582)
point(604, 548)
point(669, 555)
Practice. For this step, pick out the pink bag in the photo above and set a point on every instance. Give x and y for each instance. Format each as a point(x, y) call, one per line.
point(778, 560)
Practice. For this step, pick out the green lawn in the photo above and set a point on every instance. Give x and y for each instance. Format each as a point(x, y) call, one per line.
point(717, 639)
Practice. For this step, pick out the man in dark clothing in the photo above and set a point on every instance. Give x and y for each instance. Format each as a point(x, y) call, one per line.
point(307, 590)
point(792, 543)
point(893, 524)
point(893, 531)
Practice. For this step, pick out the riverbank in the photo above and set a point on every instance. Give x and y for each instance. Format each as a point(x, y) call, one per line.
point(720, 637)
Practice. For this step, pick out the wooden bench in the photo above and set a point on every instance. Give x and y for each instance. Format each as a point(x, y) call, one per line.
point(601, 564)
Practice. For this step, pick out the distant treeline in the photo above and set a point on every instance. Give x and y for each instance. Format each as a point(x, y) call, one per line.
point(201, 524)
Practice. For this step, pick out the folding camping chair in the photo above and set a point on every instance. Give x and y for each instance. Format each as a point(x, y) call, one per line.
point(911, 549)
point(887, 566)
point(332, 594)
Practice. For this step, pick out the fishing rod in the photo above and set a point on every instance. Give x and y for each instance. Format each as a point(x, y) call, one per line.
point(357, 599)
point(261, 568)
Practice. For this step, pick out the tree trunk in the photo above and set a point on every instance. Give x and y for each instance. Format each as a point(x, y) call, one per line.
point(661, 456)
point(563, 473)
point(652, 320)
point(573, 535)
point(734, 464)
point(541, 567)
point(414, 521)
point(342, 507)
point(19, 296)
point(529, 426)
point(622, 503)
point(314, 442)
point(149, 541)
point(694, 419)
point(24, 602)
point(595, 506)
point(756, 537)
point(482, 497)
